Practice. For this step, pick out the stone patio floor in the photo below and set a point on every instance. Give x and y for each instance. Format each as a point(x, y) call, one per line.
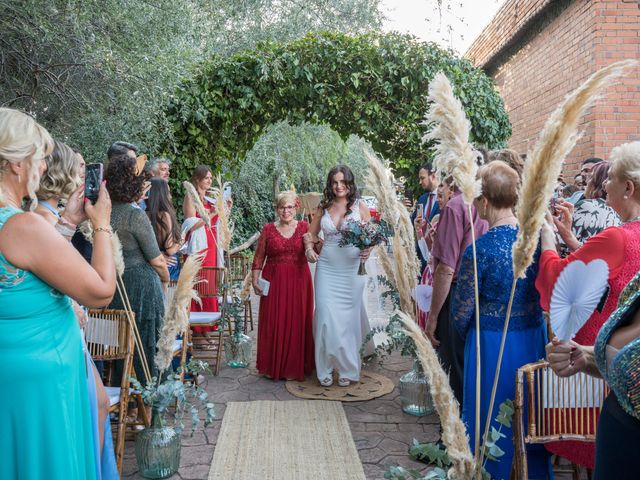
point(381, 431)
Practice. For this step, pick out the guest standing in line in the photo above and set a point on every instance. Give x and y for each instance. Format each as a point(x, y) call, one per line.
point(340, 321)
point(427, 206)
point(202, 179)
point(145, 270)
point(618, 246)
point(45, 414)
point(165, 226)
point(285, 321)
point(526, 336)
point(614, 357)
point(451, 240)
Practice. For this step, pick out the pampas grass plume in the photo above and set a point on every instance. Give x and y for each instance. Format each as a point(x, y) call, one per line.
point(450, 132)
point(197, 203)
point(176, 319)
point(454, 434)
point(541, 171)
point(118, 259)
point(225, 227)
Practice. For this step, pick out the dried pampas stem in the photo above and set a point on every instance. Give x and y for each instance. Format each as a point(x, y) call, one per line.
point(378, 182)
point(225, 226)
point(545, 163)
point(197, 203)
point(451, 128)
point(539, 177)
point(246, 286)
point(454, 434)
point(118, 259)
point(176, 319)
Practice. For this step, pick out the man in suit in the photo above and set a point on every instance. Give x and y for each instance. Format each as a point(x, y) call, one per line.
point(427, 205)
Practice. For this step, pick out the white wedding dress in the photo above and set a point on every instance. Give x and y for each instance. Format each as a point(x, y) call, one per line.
point(340, 322)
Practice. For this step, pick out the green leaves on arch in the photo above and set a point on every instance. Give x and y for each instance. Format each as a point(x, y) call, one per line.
point(371, 85)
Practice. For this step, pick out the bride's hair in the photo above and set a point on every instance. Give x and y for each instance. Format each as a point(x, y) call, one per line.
point(349, 180)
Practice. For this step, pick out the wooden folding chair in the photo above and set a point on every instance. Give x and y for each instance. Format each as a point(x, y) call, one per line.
point(109, 337)
point(239, 267)
point(556, 409)
point(208, 345)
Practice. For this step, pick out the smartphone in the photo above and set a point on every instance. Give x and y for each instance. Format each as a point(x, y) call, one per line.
point(419, 210)
point(92, 181)
point(554, 200)
point(226, 191)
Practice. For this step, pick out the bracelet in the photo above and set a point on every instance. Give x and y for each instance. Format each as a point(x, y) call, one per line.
point(103, 229)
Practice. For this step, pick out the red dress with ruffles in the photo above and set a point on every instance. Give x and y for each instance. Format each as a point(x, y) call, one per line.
point(210, 260)
point(285, 330)
point(620, 248)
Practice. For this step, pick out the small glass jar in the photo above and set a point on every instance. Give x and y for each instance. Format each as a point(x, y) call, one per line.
point(237, 350)
point(158, 449)
point(414, 392)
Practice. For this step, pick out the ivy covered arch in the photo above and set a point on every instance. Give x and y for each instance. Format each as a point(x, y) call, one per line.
point(372, 85)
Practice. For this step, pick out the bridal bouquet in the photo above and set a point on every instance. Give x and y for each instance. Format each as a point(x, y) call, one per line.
point(364, 235)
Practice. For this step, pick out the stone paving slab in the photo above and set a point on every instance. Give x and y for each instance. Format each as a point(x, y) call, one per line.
point(381, 431)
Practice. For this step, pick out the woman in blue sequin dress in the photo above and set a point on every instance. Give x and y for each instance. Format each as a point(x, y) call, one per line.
point(526, 336)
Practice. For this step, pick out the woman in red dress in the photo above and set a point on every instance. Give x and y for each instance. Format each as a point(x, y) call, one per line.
point(285, 334)
point(201, 180)
point(618, 246)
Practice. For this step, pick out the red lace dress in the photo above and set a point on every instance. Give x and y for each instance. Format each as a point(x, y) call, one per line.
point(210, 260)
point(285, 335)
point(620, 248)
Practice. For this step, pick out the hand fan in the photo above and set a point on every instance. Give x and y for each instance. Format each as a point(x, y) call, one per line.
point(422, 295)
point(141, 161)
point(576, 294)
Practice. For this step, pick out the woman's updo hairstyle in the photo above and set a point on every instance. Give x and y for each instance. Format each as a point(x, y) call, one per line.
point(595, 187)
point(625, 162)
point(62, 177)
point(499, 184)
point(22, 138)
point(349, 180)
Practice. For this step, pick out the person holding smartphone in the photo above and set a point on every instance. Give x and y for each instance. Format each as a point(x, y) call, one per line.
point(426, 207)
point(40, 344)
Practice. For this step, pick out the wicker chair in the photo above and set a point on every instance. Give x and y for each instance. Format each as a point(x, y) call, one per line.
point(208, 345)
point(109, 338)
point(556, 409)
point(239, 267)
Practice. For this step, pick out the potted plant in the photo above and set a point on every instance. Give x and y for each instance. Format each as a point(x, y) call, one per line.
point(237, 346)
point(172, 394)
point(414, 389)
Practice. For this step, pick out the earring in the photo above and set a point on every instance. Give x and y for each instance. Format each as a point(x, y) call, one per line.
point(19, 181)
point(626, 197)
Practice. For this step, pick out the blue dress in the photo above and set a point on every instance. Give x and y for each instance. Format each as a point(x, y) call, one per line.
point(524, 344)
point(45, 415)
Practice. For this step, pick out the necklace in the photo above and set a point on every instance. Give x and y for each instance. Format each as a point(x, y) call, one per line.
point(495, 224)
point(633, 219)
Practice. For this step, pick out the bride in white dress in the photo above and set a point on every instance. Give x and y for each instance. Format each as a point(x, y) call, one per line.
point(340, 321)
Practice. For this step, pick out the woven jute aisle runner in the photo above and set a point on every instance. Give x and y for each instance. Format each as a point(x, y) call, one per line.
point(285, 440)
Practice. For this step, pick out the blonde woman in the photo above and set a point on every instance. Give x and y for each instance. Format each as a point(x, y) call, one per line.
point(285, 335)
point(63, 182)
point(40, 347)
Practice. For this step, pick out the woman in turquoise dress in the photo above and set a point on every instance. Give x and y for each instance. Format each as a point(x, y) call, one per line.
point(44, 410)
point(526, 336)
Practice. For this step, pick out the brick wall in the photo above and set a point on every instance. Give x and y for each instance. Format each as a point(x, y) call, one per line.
point(542, 57)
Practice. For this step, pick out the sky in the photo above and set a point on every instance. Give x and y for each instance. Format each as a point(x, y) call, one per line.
point(459, 24)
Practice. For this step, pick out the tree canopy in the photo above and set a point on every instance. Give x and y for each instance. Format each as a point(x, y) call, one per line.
point(370, 85)
point(286, 157)
point(96, 71)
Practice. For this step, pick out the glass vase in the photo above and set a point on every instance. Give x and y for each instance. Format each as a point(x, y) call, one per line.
point(158, 449)
point(237, 350)
point(414, 392)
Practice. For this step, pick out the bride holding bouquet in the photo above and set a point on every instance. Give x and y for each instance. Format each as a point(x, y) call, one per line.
point(340, 320)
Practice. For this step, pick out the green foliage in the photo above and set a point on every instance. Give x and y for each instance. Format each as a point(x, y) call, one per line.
point(431, 453)
point(162, 396)
point(397, 339)
point(95, 71)
point(373, 86)
point(287, 156)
